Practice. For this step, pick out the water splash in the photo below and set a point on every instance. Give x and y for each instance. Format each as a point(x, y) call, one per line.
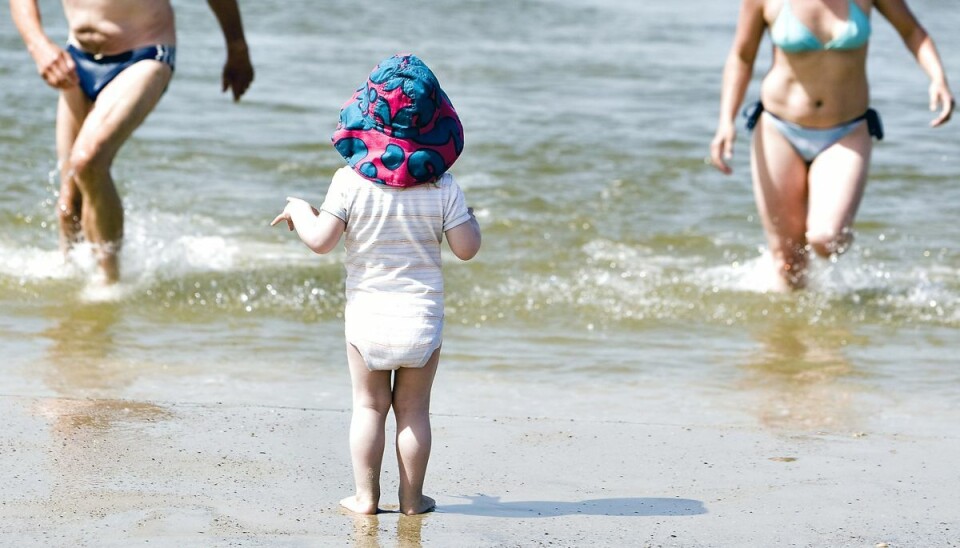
point(604, 283)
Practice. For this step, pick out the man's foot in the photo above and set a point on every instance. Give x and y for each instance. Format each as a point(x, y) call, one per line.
point(426, 504)
point(351, 503)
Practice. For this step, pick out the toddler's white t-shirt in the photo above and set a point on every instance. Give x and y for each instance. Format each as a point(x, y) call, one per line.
point(394, 287)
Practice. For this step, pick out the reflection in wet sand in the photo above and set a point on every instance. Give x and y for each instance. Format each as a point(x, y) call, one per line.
point(800, 373)
point(98, 415)
point(81, 343)
point(409, 531)
point(86, 375)
point(366, 530)
point(95, 434)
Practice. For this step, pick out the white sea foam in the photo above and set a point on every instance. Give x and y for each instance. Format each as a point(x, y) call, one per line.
point(630, 281)
point(152, 250)
point(32, 263)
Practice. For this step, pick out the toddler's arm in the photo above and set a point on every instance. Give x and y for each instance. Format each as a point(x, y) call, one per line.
point(464, 239)
point(319, 230)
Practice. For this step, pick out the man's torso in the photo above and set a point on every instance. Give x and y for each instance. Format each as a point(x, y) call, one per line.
point(109, 27)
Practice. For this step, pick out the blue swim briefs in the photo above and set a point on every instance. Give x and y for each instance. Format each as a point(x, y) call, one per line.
point(96, 71)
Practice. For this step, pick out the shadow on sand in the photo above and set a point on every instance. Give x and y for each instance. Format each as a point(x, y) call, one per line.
point(483, 505)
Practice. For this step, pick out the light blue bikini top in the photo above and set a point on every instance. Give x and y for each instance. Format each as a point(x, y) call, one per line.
point(792, 36)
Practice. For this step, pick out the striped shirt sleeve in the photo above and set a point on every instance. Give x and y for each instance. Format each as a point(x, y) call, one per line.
point(336, 200)
point(454, 206)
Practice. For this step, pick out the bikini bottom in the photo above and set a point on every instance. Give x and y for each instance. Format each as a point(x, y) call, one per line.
point(810, 142)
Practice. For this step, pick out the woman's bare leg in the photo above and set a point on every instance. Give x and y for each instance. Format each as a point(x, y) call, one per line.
point(371, 403)
point(411, 405)
point(780, 190)
point(837, 180)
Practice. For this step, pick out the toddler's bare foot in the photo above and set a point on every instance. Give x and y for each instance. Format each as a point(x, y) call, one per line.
point(426, 504)
point(354, 505)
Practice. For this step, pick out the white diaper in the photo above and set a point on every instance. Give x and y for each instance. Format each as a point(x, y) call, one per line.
point(390, 342)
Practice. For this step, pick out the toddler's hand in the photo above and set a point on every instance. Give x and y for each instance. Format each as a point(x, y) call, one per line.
point(295, 207)
point(284, 216)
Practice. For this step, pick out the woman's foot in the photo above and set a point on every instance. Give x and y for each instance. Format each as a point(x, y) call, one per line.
point(359, 507)
point(426, 504)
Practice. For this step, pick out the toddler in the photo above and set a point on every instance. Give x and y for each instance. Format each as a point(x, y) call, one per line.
point(392, 204)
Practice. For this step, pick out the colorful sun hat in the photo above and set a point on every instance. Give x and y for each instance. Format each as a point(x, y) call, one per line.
point(399, 128)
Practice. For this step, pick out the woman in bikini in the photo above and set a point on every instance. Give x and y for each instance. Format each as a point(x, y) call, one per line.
point(812, 127)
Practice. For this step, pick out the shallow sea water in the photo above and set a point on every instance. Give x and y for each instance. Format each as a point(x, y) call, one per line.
point(616, 266)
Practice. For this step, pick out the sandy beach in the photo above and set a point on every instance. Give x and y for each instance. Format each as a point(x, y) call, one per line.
point(83, 472)
point(613, 372)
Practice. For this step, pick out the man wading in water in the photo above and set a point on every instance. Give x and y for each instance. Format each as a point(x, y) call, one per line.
point(118, 61)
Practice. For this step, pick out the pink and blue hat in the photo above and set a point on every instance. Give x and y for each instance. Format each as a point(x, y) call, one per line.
point(399, 128)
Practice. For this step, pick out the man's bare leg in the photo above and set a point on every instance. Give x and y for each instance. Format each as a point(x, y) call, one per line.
point(72, 109)
point(119, 109)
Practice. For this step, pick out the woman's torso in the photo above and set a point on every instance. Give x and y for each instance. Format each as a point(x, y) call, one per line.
point(815, 86)
point(110, 27)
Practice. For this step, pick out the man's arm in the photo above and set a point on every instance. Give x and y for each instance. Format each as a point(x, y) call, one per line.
point(53, 63)
point(237, 71)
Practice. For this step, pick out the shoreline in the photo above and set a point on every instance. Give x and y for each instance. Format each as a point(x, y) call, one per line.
point(114, 472)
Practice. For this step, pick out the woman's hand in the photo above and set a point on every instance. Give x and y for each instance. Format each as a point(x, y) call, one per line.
point(721, 148)
point(941, 98)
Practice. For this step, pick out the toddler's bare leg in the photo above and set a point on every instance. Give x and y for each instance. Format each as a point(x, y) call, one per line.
point(371, 403)
point(411, 405)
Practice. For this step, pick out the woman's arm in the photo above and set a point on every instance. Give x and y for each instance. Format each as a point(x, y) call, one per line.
point(919, 43)
point(736, 78)
point(320, 231)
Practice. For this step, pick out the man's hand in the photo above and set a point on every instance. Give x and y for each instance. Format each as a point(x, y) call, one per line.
point(55, 65)
point(237, 71)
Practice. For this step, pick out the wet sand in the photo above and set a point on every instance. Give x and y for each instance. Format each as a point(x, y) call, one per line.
point(119, 473)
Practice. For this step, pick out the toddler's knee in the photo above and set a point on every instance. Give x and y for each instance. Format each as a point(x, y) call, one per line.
point(408, 407)
point(379, 406)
